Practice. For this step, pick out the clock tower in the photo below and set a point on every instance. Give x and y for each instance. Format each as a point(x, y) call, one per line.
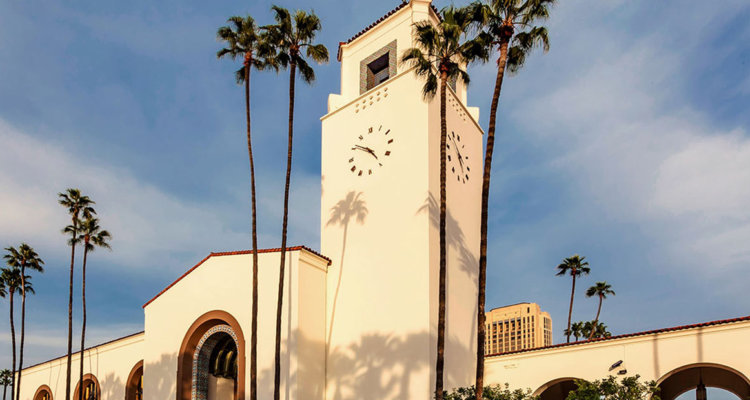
point(380, 215)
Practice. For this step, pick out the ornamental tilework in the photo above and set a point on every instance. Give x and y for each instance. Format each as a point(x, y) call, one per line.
point(366, 79)
point(199, 385)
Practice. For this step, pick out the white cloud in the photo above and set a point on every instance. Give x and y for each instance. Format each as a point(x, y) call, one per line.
point(148, 224)
point(629, 146)
point(150, 227)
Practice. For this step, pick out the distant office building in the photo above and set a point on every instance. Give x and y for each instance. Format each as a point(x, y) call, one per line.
point(517, 327)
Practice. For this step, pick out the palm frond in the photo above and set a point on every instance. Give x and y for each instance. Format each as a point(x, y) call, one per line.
point(318, 52)
point(305, 70)
point(430, 86)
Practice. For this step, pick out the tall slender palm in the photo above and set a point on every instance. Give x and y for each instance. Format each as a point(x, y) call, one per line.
point(601, 290)
point(291, 39)
point(4, 374)
point(575, 266)
point(92, 236)
point(22, 258)
point(77, 205)
point(442, 53)
point(511, 26)
point(11, 278)
point(243, 40)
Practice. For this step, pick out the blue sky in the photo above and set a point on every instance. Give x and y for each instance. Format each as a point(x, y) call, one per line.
point(629, 143)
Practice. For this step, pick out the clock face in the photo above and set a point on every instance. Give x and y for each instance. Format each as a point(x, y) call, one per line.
point(371, 149)
point(457, 160)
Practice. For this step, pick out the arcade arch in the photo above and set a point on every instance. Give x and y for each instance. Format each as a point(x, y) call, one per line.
point(91, 388)
point(556, 389)
point(211, 361)
point(43, 393)
point(685, 378)
point(134, 384)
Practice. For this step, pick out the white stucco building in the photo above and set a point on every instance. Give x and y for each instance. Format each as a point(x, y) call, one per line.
point(360, 316)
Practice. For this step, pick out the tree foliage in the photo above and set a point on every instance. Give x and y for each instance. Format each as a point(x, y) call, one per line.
point(491, 392)
point(629, 388)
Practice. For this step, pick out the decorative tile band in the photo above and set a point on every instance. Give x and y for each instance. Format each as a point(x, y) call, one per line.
point(364, 77)
point(199, 385)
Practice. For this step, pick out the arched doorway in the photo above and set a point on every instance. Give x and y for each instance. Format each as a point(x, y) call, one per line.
point(215, 365)
point(134, 384)
point(43, 393)
point(90, 387)
point(686, 378)
point(557, 389)
point(211, 362)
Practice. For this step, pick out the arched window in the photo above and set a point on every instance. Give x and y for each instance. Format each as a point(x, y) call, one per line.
point(134, 388)
point(43, 393)
point(90, 388)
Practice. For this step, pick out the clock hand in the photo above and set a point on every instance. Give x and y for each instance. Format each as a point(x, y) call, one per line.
point(372, 152)
point(365, 149)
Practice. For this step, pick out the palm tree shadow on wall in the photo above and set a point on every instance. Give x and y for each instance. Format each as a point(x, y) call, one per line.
point(351, 207)
point(376, 367)
point(455, 241)
point(454, 236)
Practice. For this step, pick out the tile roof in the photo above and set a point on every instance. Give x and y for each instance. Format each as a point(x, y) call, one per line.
point(374, 24)
point(628, 335)
point(235, 253)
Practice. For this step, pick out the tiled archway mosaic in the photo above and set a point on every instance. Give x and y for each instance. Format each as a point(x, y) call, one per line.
point(199, 386)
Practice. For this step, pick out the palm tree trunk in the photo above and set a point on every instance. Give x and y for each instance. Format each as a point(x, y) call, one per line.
point(440, 362)
point(572, 294)
point(596, 320)
point(83, 314)
point(254, 326)
point(277, 358)
point(23, 329)
point(485, 216)
point(70, 316)
point(13, 343)
point(5, 391)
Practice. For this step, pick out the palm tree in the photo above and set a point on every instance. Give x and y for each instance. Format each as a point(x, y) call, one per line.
point(601, 289)
point(11, 278)
point(243, 40)
point(289, 41)
point(443, 47)
point(22, 258)
point(512, 30)
point(586, 328)
point(93, 236)
point(77, 205)
point(4, 374)
point(576, 329)
point(575, 266)
point(601, 331)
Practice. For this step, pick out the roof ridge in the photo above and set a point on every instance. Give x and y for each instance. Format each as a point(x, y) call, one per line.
point(86, 349)
point(628, 335)
point(234, 253)
point(378, 21)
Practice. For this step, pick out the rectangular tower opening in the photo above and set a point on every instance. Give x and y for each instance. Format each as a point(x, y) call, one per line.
point(377, 71)
point(378, 67)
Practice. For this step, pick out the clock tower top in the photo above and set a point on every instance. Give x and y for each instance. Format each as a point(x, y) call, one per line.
point(371, 57)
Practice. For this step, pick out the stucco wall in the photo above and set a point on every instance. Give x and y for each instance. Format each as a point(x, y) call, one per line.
point(651, 356)
point(382, 285)
point(224, 283)
point(110, 363)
